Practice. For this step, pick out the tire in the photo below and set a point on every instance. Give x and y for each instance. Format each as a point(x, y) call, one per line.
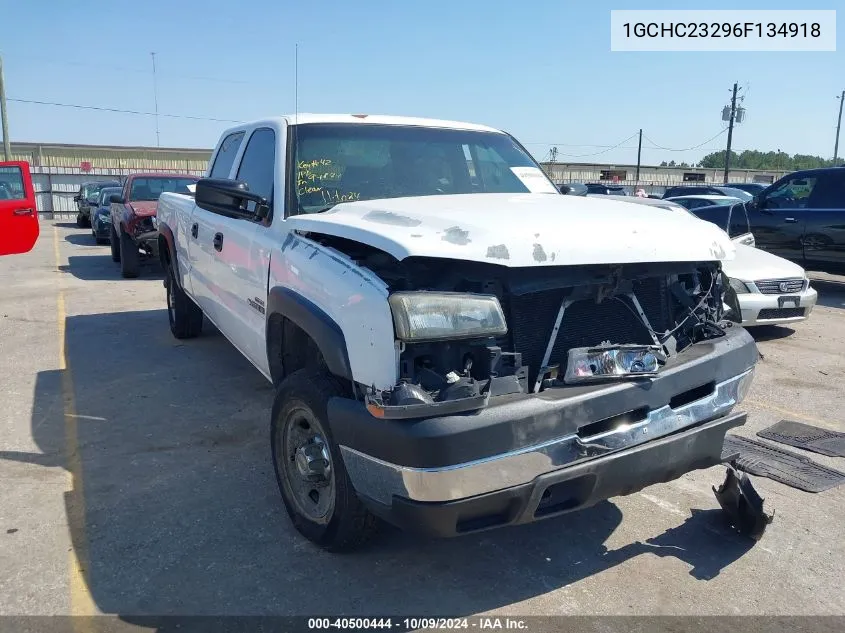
point(130, 259)
point(115, 245)
point(80, 220)
point(184, 315)
point(336, 520)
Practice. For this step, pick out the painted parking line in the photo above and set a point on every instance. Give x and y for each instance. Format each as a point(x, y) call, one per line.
point(81, 602)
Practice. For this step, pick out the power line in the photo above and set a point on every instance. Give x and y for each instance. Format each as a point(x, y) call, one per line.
point(604, 151)
point(121, 111)
point(683, 149)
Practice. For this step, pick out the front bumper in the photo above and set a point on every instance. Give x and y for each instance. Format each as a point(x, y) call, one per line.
point(521, 440)
point(760, 309)
point(567, 489)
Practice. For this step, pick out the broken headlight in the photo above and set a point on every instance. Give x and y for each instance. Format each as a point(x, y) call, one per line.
point(433, 316)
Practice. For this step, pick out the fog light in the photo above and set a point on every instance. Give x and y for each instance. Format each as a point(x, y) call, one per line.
point(624, 361)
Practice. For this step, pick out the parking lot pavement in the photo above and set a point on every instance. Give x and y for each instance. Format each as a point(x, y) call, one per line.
point(137, 479)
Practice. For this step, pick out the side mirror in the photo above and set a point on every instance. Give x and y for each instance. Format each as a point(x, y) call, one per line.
point(116, 198)
point(230, 197)
point(77, 198)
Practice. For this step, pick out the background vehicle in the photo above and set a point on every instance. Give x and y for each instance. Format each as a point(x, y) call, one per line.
point(18, 215)
point(573, 189)
point(101, 215)
point(606, 190)
point(354, 265)
point(707, 190)
point(87, 198)
point(134, 228)
point(649, 202)
point(695, 202)
point(749, 187)
point(801, 218)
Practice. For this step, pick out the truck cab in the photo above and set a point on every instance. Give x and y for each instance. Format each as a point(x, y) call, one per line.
point(455, 345)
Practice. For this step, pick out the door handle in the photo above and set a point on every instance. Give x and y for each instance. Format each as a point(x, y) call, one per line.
point(195, 229)
point(790, 220)
point(23, 212)
point(218, 242)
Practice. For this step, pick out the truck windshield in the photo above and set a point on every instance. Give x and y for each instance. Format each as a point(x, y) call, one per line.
point(348, 162)
point(152, 188)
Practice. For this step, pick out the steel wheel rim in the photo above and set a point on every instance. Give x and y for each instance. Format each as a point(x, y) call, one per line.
point(302, 437)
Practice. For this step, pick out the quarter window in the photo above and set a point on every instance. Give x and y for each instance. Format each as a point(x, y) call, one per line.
point(226, 155)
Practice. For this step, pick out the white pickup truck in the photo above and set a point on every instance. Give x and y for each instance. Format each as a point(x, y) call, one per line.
point(456, 346)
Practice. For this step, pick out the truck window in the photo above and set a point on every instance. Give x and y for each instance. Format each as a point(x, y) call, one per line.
point(348, 162)
point(11, 184)
point(258, 162)
point(226, 155)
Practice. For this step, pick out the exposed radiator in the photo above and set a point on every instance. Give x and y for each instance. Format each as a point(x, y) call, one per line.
point(585, 323)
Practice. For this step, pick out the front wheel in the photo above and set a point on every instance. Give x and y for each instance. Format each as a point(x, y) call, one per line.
point(130, 259)
point(80, 220)
point(115, 245)
point(316, 490)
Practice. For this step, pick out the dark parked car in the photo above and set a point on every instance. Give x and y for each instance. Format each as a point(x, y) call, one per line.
point(573, 189)
point(87, 198)
point(101, 215)
point(134, 228)
point(749, 187)
point(606, 190)
point(731, 218)
point(706, 190)
point(801, 217)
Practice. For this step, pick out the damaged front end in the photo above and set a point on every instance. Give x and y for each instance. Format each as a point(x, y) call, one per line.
point(470, 331)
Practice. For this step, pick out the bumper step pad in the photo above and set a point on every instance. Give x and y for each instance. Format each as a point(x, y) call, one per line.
point(787, 468)
point(810, 438)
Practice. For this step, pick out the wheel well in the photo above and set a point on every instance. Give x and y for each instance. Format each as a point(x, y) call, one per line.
point(290, 348)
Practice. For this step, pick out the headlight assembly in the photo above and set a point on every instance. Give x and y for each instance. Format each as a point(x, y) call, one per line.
point(739, 287)
point(434, 316)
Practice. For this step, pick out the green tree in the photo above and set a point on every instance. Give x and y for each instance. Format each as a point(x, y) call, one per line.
point(754, 159)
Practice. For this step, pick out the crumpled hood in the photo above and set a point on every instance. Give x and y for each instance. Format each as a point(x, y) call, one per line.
point(518, 230)
point(143, 208)
point(751, 264)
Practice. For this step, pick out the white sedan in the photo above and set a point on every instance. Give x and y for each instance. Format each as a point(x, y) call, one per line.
point(770, 290)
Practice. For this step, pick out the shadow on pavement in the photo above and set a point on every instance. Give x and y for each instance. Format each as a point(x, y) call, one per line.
point(831, 293)
point(175, 509)
point(770, 332)
point(81, 239)
point(101, 267)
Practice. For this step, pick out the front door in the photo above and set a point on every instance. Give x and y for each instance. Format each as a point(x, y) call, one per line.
point(824, 235)
point(779, 217)
point(18, 215)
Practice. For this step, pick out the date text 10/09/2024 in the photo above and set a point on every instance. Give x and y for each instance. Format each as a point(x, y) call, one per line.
point(408, 624)
point(722, 29)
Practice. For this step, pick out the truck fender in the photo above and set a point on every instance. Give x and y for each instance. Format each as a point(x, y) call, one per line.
point(312, 320)
point(166, 234)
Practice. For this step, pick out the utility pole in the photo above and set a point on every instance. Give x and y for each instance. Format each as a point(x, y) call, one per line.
point(639, 154)
point(155, 96)
point(835, 146)
point(730, 133)
point(7, 150)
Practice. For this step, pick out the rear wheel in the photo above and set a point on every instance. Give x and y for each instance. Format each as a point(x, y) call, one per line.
point(130, 259)
point(80, 220)
point(184, 315)
point(115, 244)
point(316, 490)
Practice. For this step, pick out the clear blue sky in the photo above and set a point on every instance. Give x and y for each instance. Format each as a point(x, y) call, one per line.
point(542, 70)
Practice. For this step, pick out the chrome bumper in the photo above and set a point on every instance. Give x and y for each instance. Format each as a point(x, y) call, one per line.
point(381, 481)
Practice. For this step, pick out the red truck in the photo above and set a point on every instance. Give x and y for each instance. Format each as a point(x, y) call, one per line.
point(18, 216)
point(134, 228)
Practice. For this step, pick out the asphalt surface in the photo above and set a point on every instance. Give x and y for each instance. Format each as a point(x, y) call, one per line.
point(136, 479)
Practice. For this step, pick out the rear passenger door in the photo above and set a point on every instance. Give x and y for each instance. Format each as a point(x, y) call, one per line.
point(779, 216)
point(201, 231)
point(241, 264)
point(824, 232)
